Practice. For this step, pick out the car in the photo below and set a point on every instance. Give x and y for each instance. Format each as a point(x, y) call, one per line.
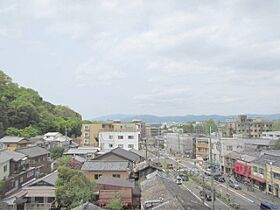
point(219, 178)
point(234, 184)
point(179, 181)
point(184, 177)
point(205, 194)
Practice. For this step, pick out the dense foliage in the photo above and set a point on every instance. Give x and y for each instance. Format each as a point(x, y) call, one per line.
point(24, 113)
point(115, 204)
point(73, 188)
point(57, 152)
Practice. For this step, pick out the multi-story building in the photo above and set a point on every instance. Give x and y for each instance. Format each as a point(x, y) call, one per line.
point(13, 142)
point(180, 143)
point(123, 139)
point(248, 127)
point(153, 130)
point(90, 132)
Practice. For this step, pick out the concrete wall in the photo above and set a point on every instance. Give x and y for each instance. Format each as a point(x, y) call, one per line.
point(2, 173)
point(91, 174)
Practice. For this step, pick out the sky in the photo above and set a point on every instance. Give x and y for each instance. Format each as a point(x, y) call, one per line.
point(146, 57)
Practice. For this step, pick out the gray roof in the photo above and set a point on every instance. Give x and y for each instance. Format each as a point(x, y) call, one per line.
point(170, 195)
point(96, 165)
point(33, 151)
point(11, 139)
point(87, 206)
point(77, 151)
point(265, 142)
point(79, 158)
point(6, 155)
point(137, 152)
point(267, 159)
point(49, 179)
point(122, 153)
point(112, 181)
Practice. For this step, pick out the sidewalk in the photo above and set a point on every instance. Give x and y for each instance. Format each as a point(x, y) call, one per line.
point(261, 196)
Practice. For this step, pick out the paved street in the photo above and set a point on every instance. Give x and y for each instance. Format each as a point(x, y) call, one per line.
point(246, 199)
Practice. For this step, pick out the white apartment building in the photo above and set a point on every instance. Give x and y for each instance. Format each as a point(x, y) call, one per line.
point(113, 139)
point(271, 135)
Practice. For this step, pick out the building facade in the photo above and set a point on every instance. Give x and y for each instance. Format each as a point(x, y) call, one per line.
point(247, 127)
point(113, 139)
point(180, 143)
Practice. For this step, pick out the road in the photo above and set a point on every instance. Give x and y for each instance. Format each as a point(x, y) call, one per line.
point(246, 201)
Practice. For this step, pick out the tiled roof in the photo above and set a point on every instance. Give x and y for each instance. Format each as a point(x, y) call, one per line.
point(265, 142)
point(267, 159)
point(79, 158)
point(122, 153)
point(87, 206)
point(169, 195)
point(78, 151)
point(33, 151)
point(11, 139)
point(6, 155)
point(96, 165)
point(112, 181)
point(137, 152)
point(49, 179)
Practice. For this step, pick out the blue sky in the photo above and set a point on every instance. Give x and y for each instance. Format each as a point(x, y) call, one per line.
point(146, 57)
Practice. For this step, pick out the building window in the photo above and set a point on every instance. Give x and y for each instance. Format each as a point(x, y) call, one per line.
point(229, 148)
point(96, 176)
point(117, 175)
point(110, 137)
point(30, 173)
point(39, 200)
point(120, 145)
point(50, 199)
point(86, 134)
point(131, 146)
point(110, 145)
point(120, 137)
point(261, 171)
point(276, 176)
point(255, 169)
point(269, 188)
point(5, 168)
point(130, 137)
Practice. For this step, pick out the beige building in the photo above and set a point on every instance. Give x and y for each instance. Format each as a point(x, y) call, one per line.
point(247, 127)
point(90, 132)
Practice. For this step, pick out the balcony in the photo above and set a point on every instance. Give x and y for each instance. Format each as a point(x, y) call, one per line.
point(202, 146)
point(201, 153)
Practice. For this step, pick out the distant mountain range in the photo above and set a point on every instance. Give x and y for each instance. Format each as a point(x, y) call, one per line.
point(180, 119)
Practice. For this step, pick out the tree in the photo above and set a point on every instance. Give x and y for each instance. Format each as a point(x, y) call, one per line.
point(276, 125)
point(210, 123)
point(57, 152)
point(72, 188)
point(276, 146)
point(115, 204)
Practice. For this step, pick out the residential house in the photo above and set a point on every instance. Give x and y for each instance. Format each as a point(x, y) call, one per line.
point(259, 144)
point(97, 168)
point(16, 171)
point(87, 206)
point(13, 142)
point(37, 195)
point(108, 187)
point(85, 152)
point(141, 170)
point(121, 155)
point(112, 139)
point(165, 194)
point(37, 141)
point(56, 139)
point(37, 157)
point(153, 130)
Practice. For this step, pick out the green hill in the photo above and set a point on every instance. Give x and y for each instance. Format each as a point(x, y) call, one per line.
point(23, 112)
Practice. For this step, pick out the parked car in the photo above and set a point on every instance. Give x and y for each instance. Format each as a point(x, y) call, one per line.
point(205, 194)
point(219, 178)
point(234, 184)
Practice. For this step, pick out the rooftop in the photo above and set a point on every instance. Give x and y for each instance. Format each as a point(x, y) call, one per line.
point(33, 151)
point(80, 151)
point(49, 179)
point(131, 156)
point(97, 165)
point(87, 206)
point(6, 155)
point(112, 181)
point(11, 139)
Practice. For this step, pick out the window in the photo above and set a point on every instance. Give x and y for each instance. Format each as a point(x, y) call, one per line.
point(21, 180)
point(87, 134)
point(131, 146)
point(96, 176)
point(110, 137)
point(117, 175)
point(261, 171)
point(110, 145)
point(30, 173)
point(269, 188)
point(50, 199)
point(276, 176)
point(5, 168)
point(130, 137)
point(120, 145)
point(39, 200)
point(120, 137)
point(255, 169)
point(229, 148)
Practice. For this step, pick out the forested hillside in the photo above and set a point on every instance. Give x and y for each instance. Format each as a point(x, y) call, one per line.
point(23, 112)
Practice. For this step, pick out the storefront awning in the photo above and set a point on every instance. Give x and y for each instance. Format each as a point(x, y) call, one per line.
point(259, 179)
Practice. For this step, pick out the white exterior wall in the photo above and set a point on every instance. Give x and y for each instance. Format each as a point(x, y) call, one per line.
point(111, 140)
point(2, 173)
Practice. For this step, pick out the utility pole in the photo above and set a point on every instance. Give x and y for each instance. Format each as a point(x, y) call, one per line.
point(212, 171)
point(146, 149)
